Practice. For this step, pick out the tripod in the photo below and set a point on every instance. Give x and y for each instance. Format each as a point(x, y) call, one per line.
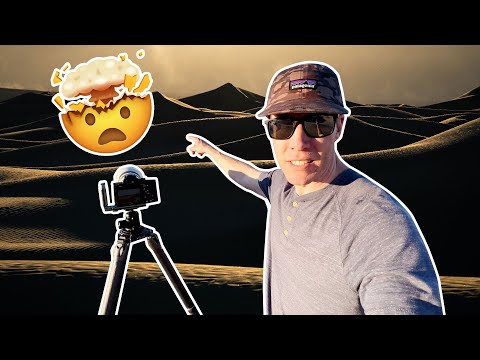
point(130, 230)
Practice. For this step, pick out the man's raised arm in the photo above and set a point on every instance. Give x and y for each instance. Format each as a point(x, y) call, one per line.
point(241, 172)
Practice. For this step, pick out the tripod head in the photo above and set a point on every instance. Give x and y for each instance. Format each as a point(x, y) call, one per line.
point(130, 190)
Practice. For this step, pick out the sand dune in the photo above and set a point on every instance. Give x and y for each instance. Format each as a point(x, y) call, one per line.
point(24, 242)
point(13, 143)
point(48, 121)
point(467, 101)
point(383, 111)
point(161, 139)
point(169, 138)
point(17, 173)
point(467, 115)
point(420, 127)
point(456, 120)
point(424, 155)
point(26, 108)
point(356, 131)
point(7, 94)
point(352, 104)
point(464, 103)
point(225, 97)
point(473, 92)
point(168, 109)
point(428, 112)
point(191, 273)
point(83, 218)
point(459, 135)
point(38, 134)
point(24, 205)
point(216, 289)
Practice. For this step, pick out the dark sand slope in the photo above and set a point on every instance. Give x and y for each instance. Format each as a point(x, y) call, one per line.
point(423, 112)
point(25, 108)
point(168, 109)
point(383, 111)
point(16, 144)
point(225, 97)
point(360, 136)
point(417, 173)
point(216, 289)
point(47, 121)
point(467, 101)
point(51, 211)
point(169, 139)
point(194, 195)
point(437, 179)
point(160, 140)
point(7, 94)
point(38, 134)
point(415, 126)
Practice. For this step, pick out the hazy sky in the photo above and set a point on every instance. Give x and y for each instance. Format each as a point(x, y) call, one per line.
point(417, 75)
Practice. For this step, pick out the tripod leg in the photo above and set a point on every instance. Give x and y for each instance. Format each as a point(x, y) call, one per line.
point(112, 291)
point(171, 273)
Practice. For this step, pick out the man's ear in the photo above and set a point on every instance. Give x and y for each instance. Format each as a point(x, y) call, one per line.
point(339, 126)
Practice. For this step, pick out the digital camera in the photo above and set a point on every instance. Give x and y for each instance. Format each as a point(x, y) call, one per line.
point(130, 190)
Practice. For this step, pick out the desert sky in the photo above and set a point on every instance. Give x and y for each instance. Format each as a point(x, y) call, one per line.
point(371, 74)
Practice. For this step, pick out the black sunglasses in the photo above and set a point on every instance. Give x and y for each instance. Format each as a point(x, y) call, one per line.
point(315, 126)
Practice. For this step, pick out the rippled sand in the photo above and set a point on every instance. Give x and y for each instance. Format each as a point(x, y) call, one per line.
point(191, 273)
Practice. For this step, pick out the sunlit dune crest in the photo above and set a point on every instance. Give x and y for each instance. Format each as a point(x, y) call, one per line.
point(473, 92)
point(43, 133)
point(446, 139)
point(174, 110)
point(167, 144)
point(192, 273)
point(42, 239)
point(162, 139)
point(204, 109)
point(20, 206)
point(420, 127)
point(458, 285)
point(469, 100)
point(20, 143)
point(12, 174)
point(455, 120)
point(383, 111)
point(226, 96)
point(452, 136)
point(6, 94)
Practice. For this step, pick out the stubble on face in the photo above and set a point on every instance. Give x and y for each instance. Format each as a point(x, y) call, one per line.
point(309, 163)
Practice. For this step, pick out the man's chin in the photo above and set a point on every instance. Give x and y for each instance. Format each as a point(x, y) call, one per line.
point(297, 179)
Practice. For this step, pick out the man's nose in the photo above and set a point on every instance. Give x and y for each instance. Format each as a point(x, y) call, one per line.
point(299, 139)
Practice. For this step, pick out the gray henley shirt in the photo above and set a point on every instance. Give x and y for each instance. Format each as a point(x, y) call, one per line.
point(349, 248)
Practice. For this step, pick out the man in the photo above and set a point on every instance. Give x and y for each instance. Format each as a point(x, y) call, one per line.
point(337, 242)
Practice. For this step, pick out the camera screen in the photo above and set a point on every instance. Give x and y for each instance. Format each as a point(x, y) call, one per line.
point(128, 197)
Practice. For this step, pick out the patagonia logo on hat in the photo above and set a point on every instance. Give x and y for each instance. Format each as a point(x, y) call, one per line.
point(303, 84)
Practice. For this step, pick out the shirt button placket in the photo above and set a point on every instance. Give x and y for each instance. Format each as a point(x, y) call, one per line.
point(290, 218)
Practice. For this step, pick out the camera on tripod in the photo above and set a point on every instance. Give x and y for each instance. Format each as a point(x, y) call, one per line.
point(130, 190)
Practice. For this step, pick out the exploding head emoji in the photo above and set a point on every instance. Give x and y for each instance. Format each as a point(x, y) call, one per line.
point(105, 105)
